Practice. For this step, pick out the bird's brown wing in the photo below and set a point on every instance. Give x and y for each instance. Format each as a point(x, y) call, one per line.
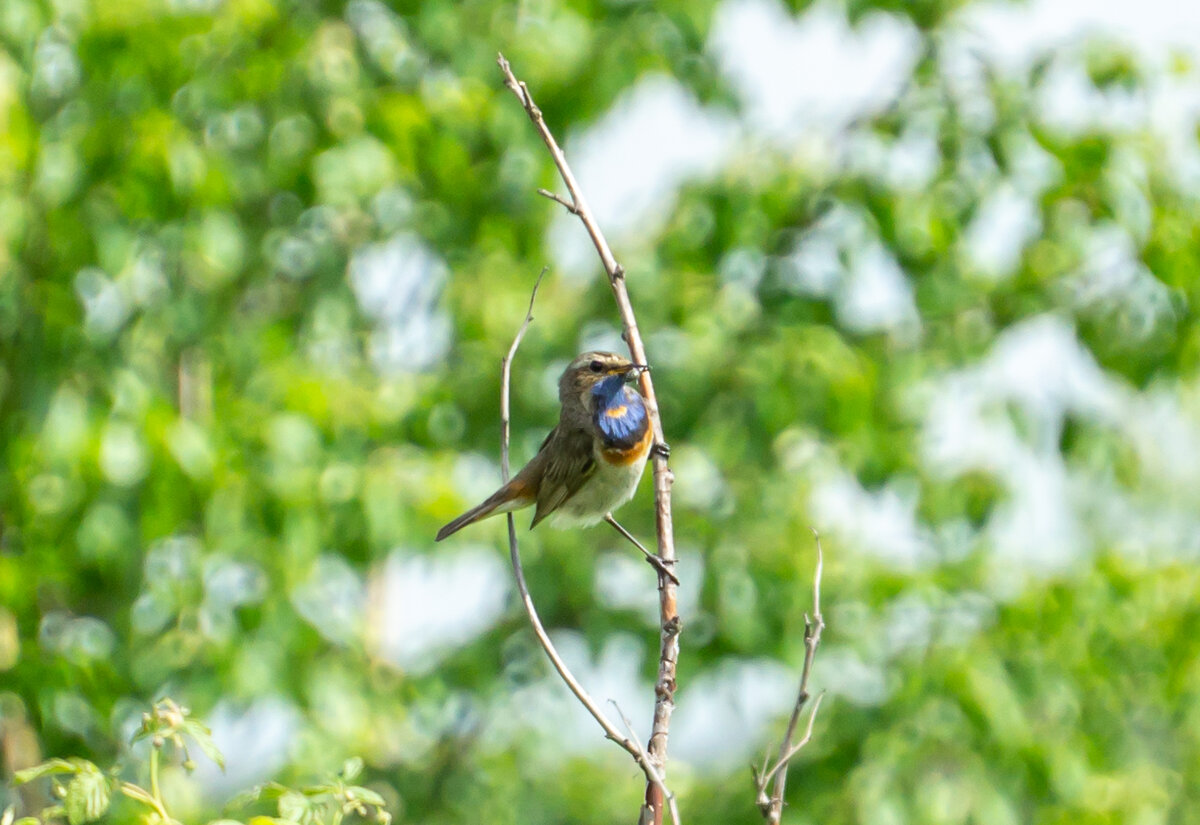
point(568, 463)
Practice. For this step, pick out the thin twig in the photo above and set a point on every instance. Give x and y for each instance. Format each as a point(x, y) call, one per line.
point(560, 200)
point(771, 805)
point(634, 748)
point(664, 686)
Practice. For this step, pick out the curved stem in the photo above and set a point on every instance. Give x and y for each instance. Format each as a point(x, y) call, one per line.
point(154, 790)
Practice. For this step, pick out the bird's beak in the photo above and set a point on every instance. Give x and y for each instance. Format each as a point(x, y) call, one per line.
point(634, 370)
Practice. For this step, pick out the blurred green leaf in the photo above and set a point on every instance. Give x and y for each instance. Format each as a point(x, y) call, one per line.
point(366, 795)
point(88, 796)
point(202, 736)
point(294, 807)
point(351, 769)
point(53, 767)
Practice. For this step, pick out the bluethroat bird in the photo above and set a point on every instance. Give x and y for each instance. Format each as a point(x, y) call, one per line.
point(590, 464)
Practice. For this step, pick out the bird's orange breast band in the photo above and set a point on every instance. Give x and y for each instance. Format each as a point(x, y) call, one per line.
point(626, 456)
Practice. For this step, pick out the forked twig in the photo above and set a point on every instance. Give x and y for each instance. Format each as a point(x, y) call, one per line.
point(656, 779)
point(633, 747)
point(771, 804)
point(781, 764)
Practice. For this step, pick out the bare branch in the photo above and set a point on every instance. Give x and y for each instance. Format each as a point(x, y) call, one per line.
point(633, 747)
point(771, 805)
point(664, 686)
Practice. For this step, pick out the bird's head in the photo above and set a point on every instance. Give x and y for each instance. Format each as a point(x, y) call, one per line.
point(592, 369)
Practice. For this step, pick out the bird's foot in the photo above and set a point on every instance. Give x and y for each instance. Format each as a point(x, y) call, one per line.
point(663, 566)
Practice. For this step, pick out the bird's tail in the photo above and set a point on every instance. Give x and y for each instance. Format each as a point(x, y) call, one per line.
point(512, 496)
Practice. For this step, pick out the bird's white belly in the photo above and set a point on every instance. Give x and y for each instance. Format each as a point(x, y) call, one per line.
point(611, 486)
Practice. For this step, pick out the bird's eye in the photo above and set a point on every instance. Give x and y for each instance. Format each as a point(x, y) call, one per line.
point(595, 366)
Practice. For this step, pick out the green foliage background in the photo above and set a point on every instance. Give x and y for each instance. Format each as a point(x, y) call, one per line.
point(184, 368)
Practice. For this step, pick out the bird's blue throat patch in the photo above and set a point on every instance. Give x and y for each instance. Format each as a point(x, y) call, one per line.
point(620, 415)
